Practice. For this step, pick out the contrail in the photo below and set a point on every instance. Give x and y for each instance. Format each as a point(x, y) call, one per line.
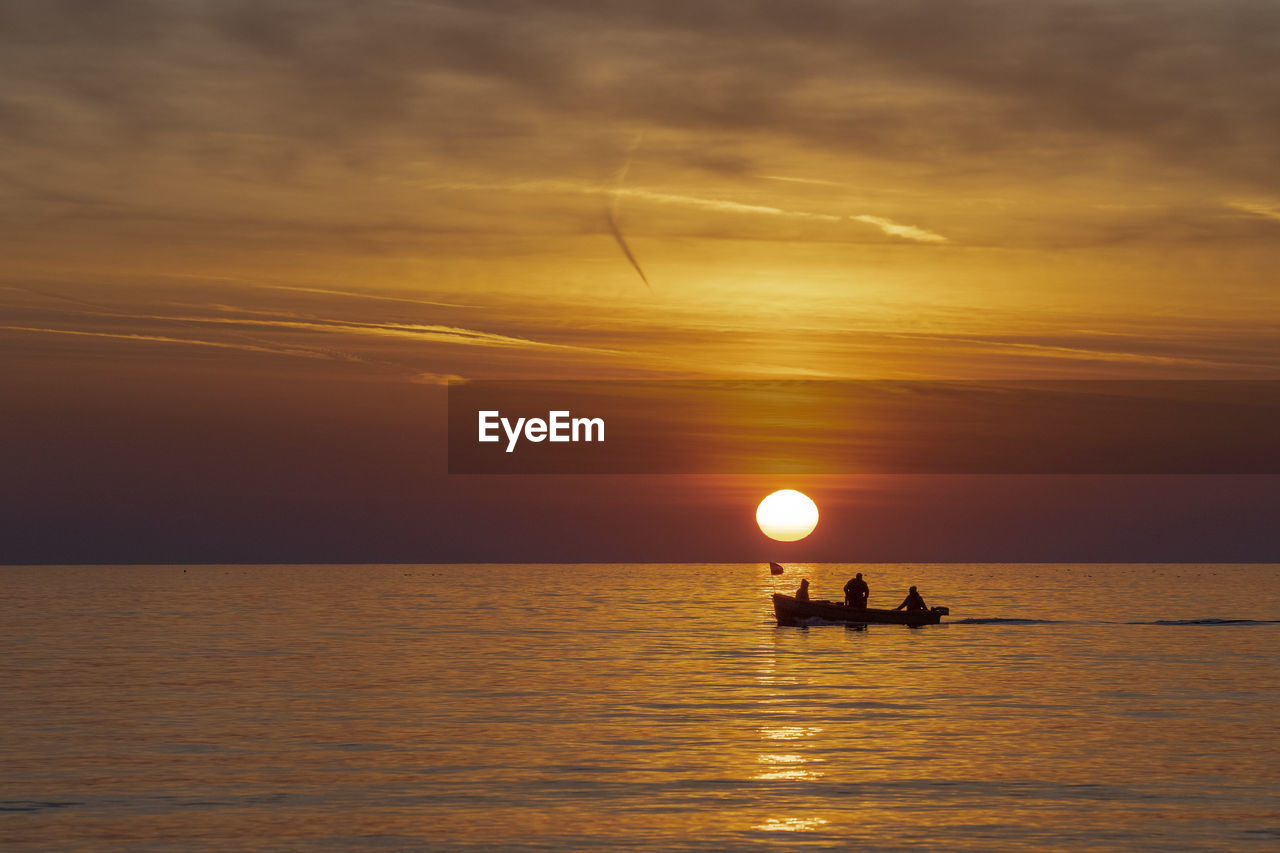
point(611, 213)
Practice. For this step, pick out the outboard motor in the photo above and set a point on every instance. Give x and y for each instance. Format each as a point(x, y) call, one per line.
point(941, 611)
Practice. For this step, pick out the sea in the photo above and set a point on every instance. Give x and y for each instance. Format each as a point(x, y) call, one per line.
point(637, 707)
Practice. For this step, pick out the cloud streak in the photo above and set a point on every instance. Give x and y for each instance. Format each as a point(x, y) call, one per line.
point(164, 339)
point(713, 205)
point(414, 331)
point(379, 297)
point(423, 332)
point(908, 232)
point(1262, 209)
point(320, 102)
point(953, 77)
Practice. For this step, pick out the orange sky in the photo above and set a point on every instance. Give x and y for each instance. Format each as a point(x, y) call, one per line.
point(324, 196)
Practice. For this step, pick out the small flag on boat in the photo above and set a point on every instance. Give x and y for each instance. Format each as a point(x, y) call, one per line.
point(775, 569)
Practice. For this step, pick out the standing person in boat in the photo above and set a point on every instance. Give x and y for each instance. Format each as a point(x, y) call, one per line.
point(856, 592)
point(913, 601)
point(802, 594)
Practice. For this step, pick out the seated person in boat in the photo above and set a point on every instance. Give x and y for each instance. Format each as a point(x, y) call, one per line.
point(913, 601)
point(802, 594)
point(856, 592)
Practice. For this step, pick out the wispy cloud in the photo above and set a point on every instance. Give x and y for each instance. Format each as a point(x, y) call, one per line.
point(1267, 210)
point(423, 332)
point(893, 229)
point(789, 180)
point(165, 339)
point(436, 378)
point(697, 202)
point(726, 206)
point(1074, 353)
point(358, 295)
point(231, 327)
point(717, 205)
point(415, 331)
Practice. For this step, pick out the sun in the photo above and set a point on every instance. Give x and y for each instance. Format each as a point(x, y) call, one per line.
point(787, 515)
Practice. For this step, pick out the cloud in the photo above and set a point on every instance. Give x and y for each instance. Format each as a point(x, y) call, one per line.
point(725, 206)
point(261, 319)
point(135, 336)
point(381, 337)
point(788, 180)
point(911, 81)
point(436, 378)
point(454, 335)
point(358, 295)
point(697, 202)
point(314, 121)
point(893, 229)
point(1085, 348)
point(415, 331)
point(1266, 210)
point(887, 226)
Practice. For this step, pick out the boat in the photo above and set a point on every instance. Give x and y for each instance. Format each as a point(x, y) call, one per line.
point(791, 611)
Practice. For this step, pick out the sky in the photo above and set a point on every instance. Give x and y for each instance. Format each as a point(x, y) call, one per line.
point(247, 244)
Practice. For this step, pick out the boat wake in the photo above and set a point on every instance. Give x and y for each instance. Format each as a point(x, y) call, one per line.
point(996, 620)
point(1209, 622)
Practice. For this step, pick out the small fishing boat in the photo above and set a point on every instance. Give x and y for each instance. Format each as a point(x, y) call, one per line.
point(791, 611)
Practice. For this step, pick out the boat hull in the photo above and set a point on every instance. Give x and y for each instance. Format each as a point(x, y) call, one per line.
point(791, 612)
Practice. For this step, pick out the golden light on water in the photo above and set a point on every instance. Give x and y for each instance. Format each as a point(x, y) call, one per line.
point(789, 732)
point(791, 824)
point(791, 766)
point(787, 515)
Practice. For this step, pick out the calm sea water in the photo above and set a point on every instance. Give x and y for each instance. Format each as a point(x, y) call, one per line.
point(535, 707)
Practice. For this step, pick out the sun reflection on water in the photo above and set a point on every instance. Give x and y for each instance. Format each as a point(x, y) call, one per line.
point(787, 766)
point(789, 732)
point(791, 824)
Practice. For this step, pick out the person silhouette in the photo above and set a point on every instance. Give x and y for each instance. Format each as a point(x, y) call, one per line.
point(913, 601)
point(856, 591)
point(802, 594)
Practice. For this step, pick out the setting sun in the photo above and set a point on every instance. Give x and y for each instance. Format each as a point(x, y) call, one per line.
point(787, 515)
